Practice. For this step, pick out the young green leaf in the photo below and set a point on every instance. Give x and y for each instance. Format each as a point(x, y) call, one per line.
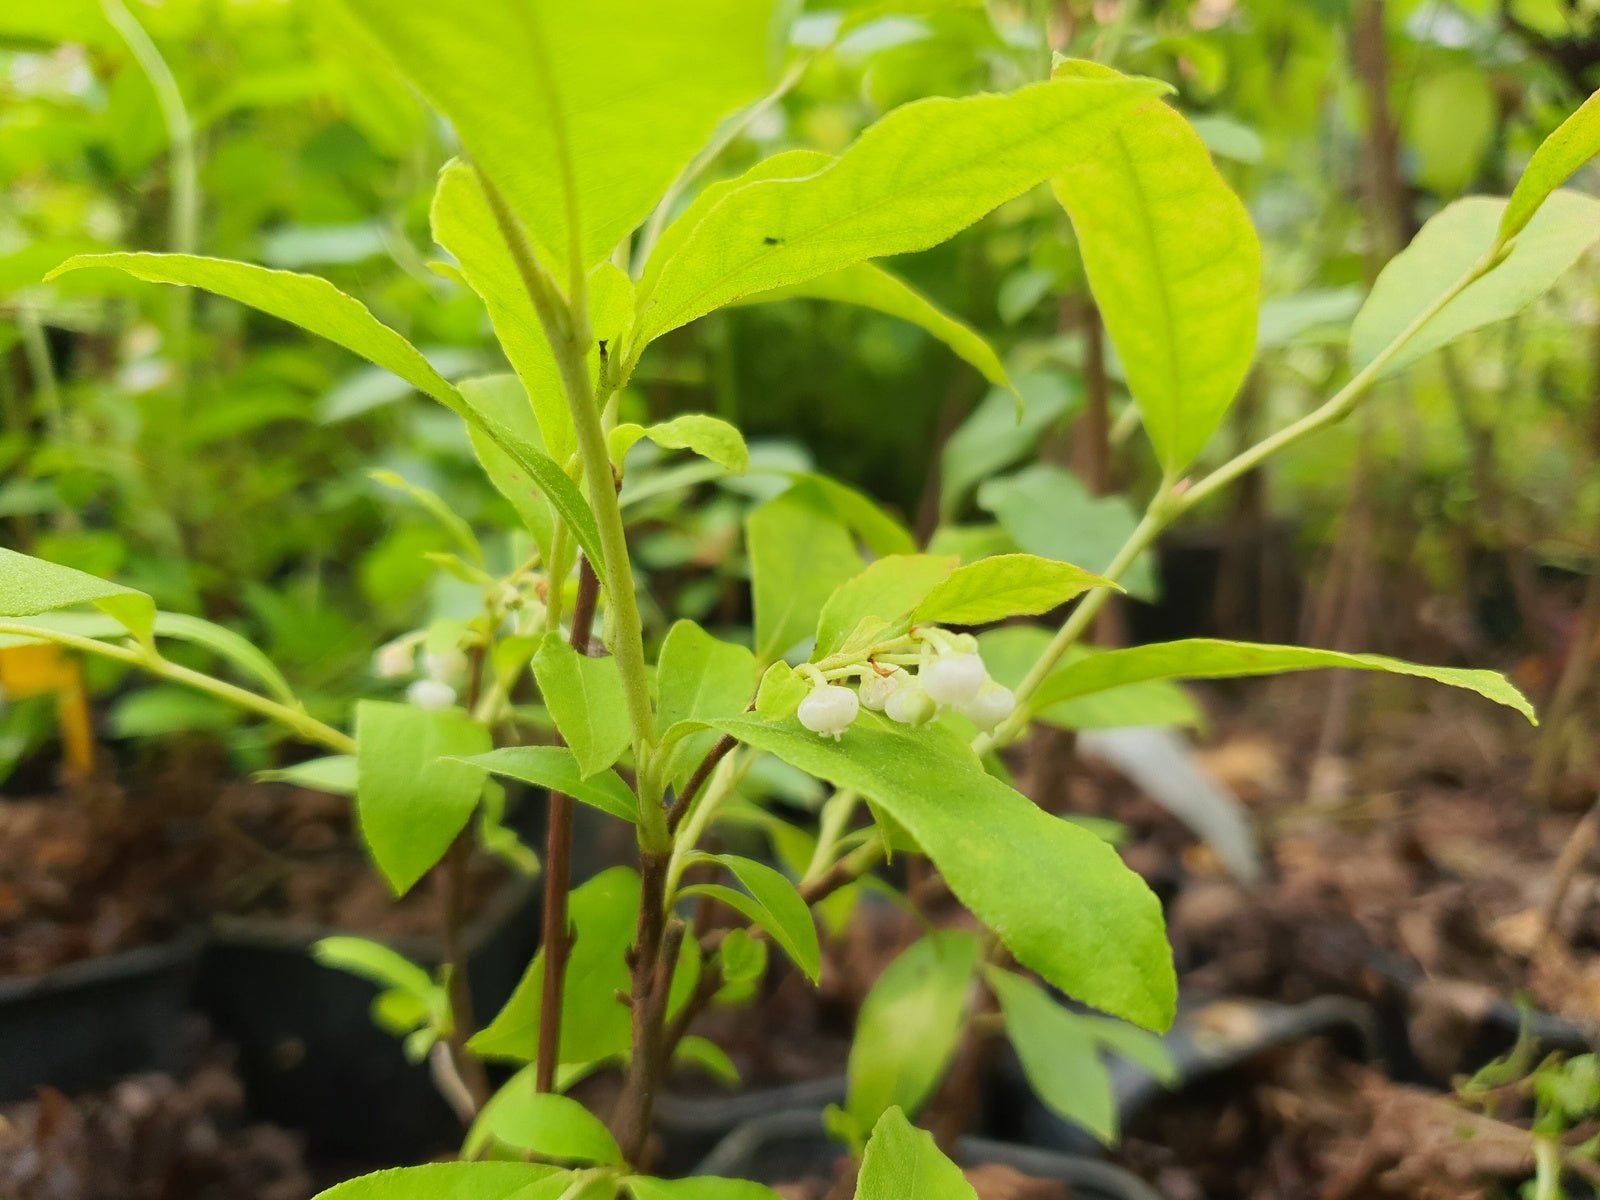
point(603, 914)
point(1060, 898)
point(521, 1119)
point(585, 697)
point(333, 773)
point(581, 114)
point(452, 522)
point(454, 1181)
point(410, 802)
point(1058, 1054)
point(772, 903)
point(1207, 658)
point(1174, 265)
point(923, 173)
point(1007, 585)
point(909, 1025)
point(700, 1187)
point(799, 553)
point(1444, 251)
point(31, 586)
point(866, 285)
point(858, 512)
point(1575, 141)
point(709, 437)
point(902, 1163)
point(1010, 651)
point(707, 1057)
point(375, 963)
point(556, 768)
point(889, 589)
point(699, 676)
point(780, 692)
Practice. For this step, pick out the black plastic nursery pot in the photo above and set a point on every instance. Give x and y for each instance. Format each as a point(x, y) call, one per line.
point(310, 1054)
point(691, 1126)
point(1209, 1039)
point(782, 1147)
point(84, 1024)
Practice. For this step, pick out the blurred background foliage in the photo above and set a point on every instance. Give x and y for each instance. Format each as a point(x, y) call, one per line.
point(222, 461)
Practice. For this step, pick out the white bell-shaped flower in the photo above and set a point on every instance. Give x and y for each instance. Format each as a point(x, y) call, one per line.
point(829, 710)
point(993, 704)
point(431, 695)
point(446, 666)
point(394, 660)
point(910, 705)
point(876, 689)
point(954, 678)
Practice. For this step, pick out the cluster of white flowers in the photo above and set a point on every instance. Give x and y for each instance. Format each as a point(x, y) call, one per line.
point(955, 677)
point(441, 672)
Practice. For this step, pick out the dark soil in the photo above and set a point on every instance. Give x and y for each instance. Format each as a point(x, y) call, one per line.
point(106, 868)
point(150, 1137)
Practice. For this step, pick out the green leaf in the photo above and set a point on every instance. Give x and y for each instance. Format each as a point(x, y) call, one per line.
point(310, 302)
point(902, 1163)
point(699, 676)
point(1575, 141)
point(1007, 585)
point(773, 904)
point(923, 173)
point(868, 286)
point(889, 588)
point(333, 773)
point(1048, 512)
point(1207, 658)
point(409, 801)
point(709, 437)
point(556, 768)
point(585, 697)
point(31, 586)
point(453, 1181)
point(501, 399)
point(1059, 897)
point(702, 1054)
point(1011, 650)
point(860, 514)
point(799, 553)
point(909, 1025)
point(1175, 268)
point(992, 437)
point(1058, 1054)
point(780, 692)
point(581, 114)
point(317, 306)
point(375, 963)
point(522, 1119)
point(603, 913)
point(1444, 251)
point(700, 1187)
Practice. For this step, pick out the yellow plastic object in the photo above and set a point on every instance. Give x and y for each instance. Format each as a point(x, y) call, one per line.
point(43, 670)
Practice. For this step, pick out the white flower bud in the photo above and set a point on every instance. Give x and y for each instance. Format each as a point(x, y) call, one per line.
point(431, 695)
point(910, 705)
point(828, 710)
point(393, 660)
point(447, 666)
point(954, 678)
point(993, 704)
point(876, 689)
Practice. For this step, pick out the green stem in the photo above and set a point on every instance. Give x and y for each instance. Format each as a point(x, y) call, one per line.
point(1173, 500)
point(184, 205)
point(836, 814)
point(570, 340)
point(148, 659)
point(687, 838)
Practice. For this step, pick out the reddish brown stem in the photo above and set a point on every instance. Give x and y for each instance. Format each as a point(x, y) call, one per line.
point(691, 789)
point(631, 1120)
point(558, 869)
